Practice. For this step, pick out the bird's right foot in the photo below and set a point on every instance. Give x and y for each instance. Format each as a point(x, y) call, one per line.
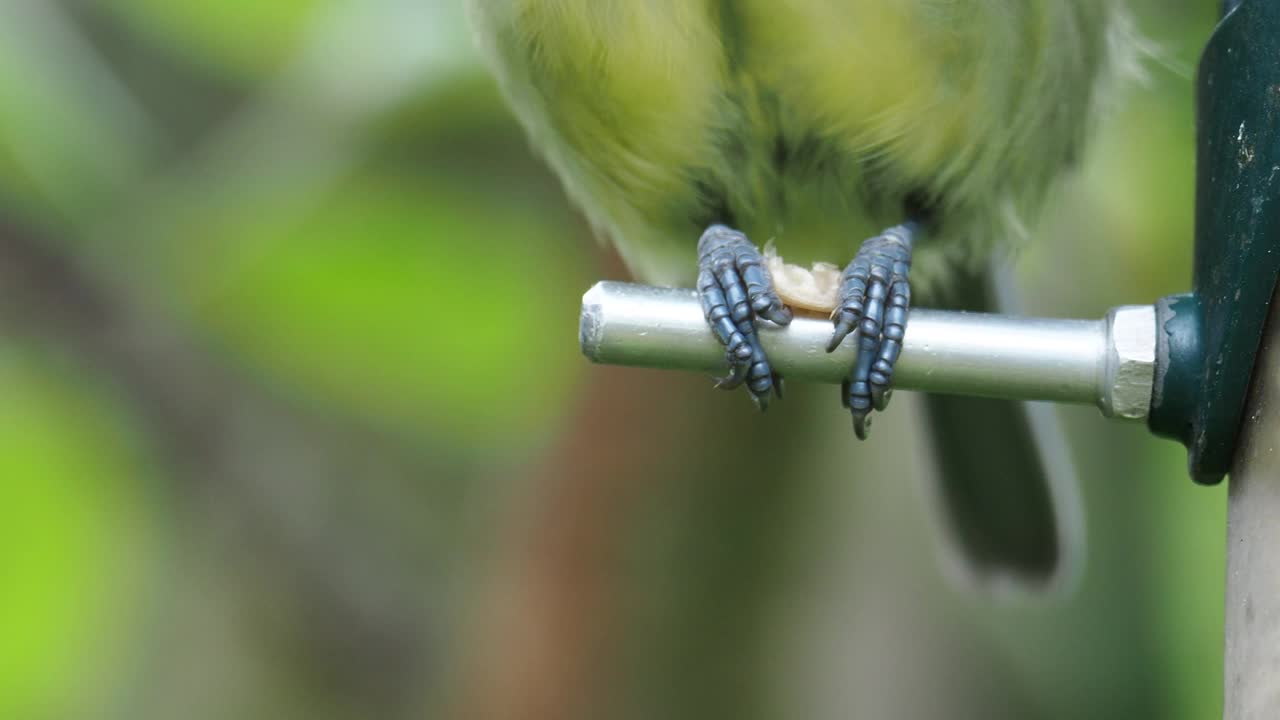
point(735, 290)
point(874, 298)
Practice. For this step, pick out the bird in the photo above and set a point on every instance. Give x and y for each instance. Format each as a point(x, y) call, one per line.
point(898, 147)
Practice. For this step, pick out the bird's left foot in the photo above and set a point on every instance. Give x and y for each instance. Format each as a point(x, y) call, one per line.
point(873, 302)
point(736, 290)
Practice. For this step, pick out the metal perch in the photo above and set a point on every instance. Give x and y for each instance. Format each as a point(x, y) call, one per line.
point(1108, 362)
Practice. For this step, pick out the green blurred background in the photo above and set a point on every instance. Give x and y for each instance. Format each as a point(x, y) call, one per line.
point(294, 423)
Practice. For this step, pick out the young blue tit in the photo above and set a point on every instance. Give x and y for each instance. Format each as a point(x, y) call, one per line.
point(689, 130)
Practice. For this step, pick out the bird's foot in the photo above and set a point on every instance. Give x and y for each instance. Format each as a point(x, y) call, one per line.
point(873, 302)
point(736, 290)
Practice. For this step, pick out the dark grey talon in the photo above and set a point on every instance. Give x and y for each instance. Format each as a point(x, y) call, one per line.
point(735, 289)
point(875, 296)
point(737, 374)
point(861, 425)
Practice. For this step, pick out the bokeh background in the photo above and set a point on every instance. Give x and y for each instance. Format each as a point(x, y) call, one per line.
point(293, 423)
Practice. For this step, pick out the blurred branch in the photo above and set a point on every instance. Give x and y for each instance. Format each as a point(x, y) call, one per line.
point(548, 626)
point(92, 127)
point(303, 130)
point(280, 477)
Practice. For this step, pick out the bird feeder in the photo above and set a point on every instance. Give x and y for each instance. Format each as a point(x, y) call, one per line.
point(1196, 366)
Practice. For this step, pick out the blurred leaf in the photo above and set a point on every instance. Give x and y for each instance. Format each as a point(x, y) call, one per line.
point(414, 305)
point(239, 36)
point(1141, 178)
point(70, 537)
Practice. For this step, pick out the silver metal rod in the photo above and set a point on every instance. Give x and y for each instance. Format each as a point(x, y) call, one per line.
point(1108, 362)
point(1252, 683)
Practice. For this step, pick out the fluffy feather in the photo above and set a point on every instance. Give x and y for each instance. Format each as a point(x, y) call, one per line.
point(808, 122)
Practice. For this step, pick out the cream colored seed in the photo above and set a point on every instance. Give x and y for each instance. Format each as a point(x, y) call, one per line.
point(814, 290)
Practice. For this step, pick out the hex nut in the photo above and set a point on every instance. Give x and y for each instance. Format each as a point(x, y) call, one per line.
point(1130, 362)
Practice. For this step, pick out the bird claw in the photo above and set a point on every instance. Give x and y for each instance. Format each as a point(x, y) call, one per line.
point(737, 374)
point(874, 297)
point(861, 426)
point(735, 290)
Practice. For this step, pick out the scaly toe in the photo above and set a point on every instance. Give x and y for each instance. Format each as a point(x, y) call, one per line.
point(735, 290)
point(874, 298)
